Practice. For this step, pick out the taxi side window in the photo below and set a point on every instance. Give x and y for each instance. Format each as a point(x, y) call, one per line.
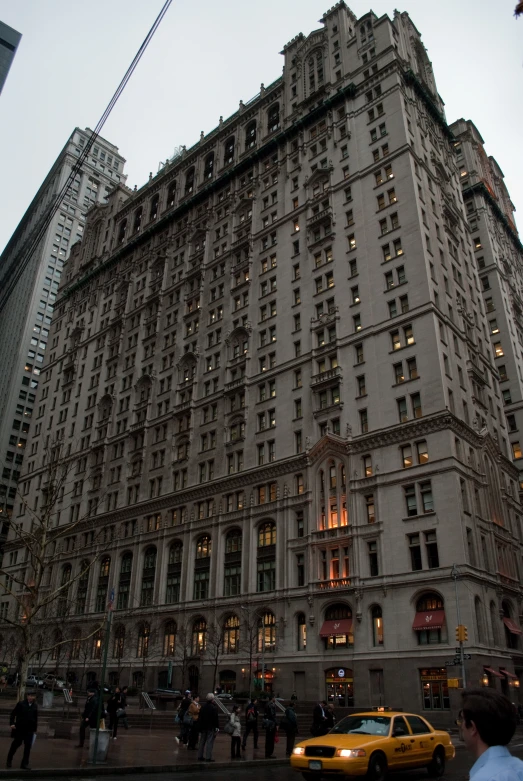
point(418, 726)
point(400, 726)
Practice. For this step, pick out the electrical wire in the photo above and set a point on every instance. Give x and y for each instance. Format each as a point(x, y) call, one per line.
point(17, 268)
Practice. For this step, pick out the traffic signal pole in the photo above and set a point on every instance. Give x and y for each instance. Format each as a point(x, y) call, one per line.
point(455, 574)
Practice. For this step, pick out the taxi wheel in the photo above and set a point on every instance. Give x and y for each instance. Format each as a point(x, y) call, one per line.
point(437, 766)
point(311, 776)
point(377, 767)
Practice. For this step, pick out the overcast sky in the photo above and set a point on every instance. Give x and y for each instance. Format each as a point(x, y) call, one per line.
point(205, 57)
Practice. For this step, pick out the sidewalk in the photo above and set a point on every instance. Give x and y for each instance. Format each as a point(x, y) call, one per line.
point(137, 750)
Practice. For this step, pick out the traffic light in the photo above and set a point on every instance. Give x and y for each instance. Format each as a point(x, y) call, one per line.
point(461, 633)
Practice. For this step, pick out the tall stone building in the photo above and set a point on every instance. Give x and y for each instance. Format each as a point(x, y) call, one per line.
point(29, 278)
point(272, 370)
point(499, 257)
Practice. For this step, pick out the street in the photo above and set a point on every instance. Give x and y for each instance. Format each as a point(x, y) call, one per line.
point(457, 770)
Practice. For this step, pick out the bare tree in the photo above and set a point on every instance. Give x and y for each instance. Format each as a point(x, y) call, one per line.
point(183, 650)
point(249, 635)
point(214, 648)
point(32, 556)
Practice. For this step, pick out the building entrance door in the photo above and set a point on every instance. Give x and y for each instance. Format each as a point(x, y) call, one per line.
point(435, 689)
point(340, 686)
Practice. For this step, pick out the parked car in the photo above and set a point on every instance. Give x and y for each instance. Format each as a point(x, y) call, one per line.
point(36, 681)
point(51, 681)
point(224, 696)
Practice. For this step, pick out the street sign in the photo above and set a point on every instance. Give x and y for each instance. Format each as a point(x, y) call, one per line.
point(453, 683)
point(467, 656)
point(450, 664)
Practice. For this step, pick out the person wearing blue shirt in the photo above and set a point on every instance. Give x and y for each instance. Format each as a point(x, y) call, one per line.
point(487, 722)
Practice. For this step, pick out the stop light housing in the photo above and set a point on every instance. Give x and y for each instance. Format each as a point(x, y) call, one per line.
point(461, 633)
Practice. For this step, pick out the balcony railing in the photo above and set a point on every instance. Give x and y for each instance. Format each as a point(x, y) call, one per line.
point(327, 585)
point(326, 376)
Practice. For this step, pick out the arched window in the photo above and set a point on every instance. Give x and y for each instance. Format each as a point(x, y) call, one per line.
point(153, 211)
point(266, 632)
point(83, 584)
point(377, 625)
point(119, 642)
point(149, 571)
point(302, 631)
point(121, 231)
point(63, 599)
point(273, 118)
point(124, 582)
point(494, 618)
point(231, 635)
point(267, 534)
point(512, 630)
point(430, 606)
point(208, 166)
point(228, 151)
point(202, 567)
point(233, 541)
point(199, 637)
point(137, 219)
point(337, 627)
point(203, 547)
point(96, 647)
point(250, 135)
point(103, 583)
point(171, 194)
point(144, 636)
point(189, 181)
point(480, 624)
point(174, 572)
point(57, 645)
point(169, 637)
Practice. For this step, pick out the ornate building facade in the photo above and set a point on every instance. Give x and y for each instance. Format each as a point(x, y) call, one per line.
point(271, 374)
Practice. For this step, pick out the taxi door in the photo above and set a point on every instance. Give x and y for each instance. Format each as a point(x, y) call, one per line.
point(424, 737)
point(402, 745)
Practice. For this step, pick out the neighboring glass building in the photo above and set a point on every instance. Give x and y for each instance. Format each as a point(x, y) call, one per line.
point(9, 40)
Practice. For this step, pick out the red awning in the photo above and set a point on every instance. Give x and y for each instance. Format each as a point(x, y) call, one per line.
point(509, 675)
point(341, 626)
point(512, 627)
point(492, 671)
point(428, 619)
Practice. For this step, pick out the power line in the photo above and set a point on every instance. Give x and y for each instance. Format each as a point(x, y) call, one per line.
point(17, 269)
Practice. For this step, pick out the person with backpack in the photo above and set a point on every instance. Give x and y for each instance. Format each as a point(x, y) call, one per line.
point(271, 725)
point(194, 712)
point(185, 724)
point(251, 723)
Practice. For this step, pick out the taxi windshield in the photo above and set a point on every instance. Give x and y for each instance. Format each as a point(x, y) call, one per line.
point(362, 725)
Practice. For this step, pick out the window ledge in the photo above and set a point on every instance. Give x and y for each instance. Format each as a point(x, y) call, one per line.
point(431, 514)
point(399, 384)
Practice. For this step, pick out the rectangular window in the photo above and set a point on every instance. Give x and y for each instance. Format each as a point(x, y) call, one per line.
point(415, 552)
point(410, 500)
point(431, 547)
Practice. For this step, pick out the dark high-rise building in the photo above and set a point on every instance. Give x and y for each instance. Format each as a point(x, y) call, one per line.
point(9, 40)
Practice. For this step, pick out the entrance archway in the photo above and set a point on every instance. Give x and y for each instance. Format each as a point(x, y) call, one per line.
point(228, 681)
point(339, 684)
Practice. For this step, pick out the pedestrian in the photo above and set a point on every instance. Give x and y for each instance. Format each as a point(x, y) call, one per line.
point(290, 723)
point(294, 698)
point(184, 724)
point(89, 715)
point(319, 719)
point(487, 723)
point(208, 725)
point(330, 716)
point(113, 706)
point(270, 724)
point(194, 710)
point(236, 734)
point(24, 723)
point(251, 723)
point(121, 713)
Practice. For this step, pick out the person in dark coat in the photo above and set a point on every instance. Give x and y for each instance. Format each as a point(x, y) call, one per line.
point(291, 728)
point(251, 723)
point(319, 719)
point(90, 714)
point(114, 704)
point(270, 727)
point(208, 724)
point(330, 716)
point(24, 724)
point(123, 706)
point(182, 710)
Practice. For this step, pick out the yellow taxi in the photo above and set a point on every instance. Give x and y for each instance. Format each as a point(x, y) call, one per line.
point(371, 744)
